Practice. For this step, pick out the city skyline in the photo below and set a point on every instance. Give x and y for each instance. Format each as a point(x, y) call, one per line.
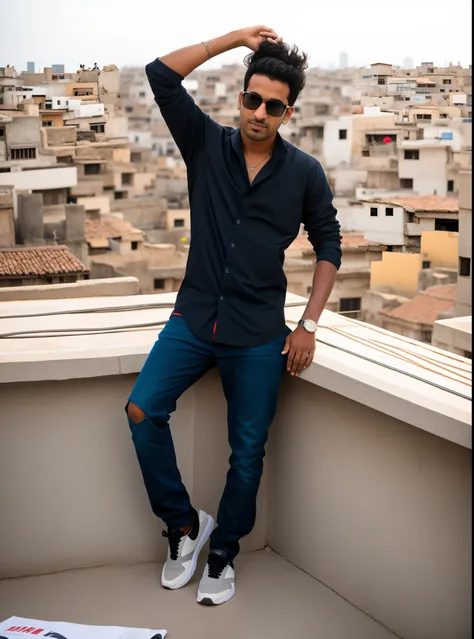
point(127, 39)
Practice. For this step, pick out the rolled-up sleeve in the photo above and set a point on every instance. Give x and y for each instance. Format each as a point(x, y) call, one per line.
point(185, 120)
point(320, 218)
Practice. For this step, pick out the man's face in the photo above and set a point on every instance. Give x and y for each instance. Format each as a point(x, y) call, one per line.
point(257, 124)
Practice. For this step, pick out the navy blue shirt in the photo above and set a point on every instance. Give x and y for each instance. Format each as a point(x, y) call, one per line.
point(234, 287)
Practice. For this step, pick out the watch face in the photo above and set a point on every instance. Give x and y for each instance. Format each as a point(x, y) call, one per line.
point(310, 325)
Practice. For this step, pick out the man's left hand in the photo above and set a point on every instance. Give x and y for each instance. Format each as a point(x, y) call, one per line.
point(300, 346)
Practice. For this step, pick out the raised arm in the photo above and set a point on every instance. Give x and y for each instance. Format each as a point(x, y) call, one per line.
point(184, 61)
point(186, 122)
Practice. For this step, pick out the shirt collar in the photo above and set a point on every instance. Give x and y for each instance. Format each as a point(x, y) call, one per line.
point(280, 146)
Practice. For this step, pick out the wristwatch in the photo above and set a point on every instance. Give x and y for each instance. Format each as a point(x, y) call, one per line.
point(308, 325)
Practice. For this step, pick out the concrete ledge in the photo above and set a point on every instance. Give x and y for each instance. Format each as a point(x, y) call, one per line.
point(426, 387)
point(85, 288)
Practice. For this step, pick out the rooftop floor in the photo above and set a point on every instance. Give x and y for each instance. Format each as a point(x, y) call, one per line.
point(274, 600)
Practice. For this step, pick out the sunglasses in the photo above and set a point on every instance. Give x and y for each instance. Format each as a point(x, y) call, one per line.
point(274, 108)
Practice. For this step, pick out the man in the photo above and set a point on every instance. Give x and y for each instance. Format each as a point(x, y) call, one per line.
point(249, 192)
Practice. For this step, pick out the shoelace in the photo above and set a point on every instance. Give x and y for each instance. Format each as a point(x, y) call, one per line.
point(174, 539)
point(216, 565)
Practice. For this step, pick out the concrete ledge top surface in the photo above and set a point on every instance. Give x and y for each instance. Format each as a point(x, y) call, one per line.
point(92, 337)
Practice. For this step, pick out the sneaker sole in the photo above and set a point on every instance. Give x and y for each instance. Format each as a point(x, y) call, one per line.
point(207, 601)
point(189, 572)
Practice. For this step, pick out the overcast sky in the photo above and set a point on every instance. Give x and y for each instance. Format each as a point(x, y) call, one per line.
point(133, 32)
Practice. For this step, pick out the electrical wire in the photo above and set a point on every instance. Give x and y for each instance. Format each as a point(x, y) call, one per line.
point(73, 332)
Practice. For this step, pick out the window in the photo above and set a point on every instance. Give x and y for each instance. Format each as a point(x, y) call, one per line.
point(406, 183)
point(23, 154)
point(443, 116)
point(158, 284)
point(319, 132)
point(47, 123)
point(374, 211)
point(127, 179)
point(343, 134)
point(426, 264)
point(134, 246)
point(412, 155)
point(446, 81)
point(178, 223)
point(91, 169)
point(423, 116)
point(128, 109)
point(389, 211)
point(135, 157)
point(443, 224)
point(79, 92)
point(465, 266)
point(98, 128)
point(2, 132)
point(4, 169)
point(48, 105)
point(381, 80)
point(350, 306)
point(450, 186)
point(426, 336)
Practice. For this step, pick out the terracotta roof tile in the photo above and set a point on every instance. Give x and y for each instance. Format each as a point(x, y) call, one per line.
point(100, 231)
point(349, 240)
point(420, 203)
point(355, 240)
point(39, 260)
point(425, 307)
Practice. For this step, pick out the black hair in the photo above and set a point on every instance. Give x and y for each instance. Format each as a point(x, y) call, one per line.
point(278, 62)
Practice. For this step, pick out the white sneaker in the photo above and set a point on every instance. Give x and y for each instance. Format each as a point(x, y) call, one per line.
point(183, 551)
point(218, 581)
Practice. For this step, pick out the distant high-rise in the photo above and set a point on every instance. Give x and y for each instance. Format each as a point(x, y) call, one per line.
point(408, 63)
point(343, 60)
point(30, 67)
point(58, 68)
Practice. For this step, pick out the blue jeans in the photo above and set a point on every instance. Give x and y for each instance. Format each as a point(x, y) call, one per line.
point(251, 379)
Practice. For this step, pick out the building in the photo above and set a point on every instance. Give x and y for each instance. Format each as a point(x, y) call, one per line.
point(7, 226)
point(453, 330)
point(343, 60)
point(28, 266)
point(398, 222)
point(415, 318)
point(109, 234)
point(26, 163)
point(352, 280)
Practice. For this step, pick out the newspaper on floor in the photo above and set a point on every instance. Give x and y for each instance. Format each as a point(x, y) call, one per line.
point(17, 627)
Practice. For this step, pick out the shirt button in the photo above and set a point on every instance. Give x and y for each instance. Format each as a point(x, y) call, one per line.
point(221, 298)
point(233, 245)
point(227, 270)
point(238, 221)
